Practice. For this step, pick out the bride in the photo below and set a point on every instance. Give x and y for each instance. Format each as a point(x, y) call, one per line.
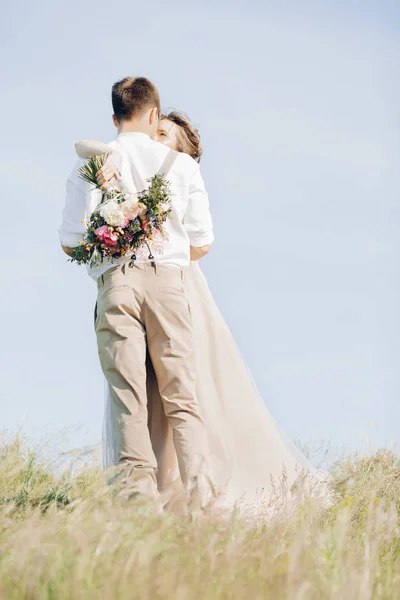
point(250, 455)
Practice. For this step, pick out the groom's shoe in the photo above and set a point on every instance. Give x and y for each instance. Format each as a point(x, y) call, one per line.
point(130, 482)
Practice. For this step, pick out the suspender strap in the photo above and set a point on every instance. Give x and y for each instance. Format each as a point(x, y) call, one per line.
point(168, 163)
point(138, 180)
point(165, 168)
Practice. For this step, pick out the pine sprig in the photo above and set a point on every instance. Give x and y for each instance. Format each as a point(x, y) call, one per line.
point(91, 167)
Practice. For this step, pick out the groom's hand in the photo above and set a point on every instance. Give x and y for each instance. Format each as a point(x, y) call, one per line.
point(67, 250)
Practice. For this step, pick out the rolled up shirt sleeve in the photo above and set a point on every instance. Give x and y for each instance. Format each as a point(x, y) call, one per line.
point(197, 220)
point(80, 202)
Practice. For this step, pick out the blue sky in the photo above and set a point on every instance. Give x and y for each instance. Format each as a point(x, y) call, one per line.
point(298, 111)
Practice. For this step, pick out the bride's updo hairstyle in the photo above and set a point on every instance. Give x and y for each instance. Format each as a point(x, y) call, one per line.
point(188, 137)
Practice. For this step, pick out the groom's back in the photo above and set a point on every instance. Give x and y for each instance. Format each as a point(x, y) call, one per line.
point(189, 222)
point(148, 156)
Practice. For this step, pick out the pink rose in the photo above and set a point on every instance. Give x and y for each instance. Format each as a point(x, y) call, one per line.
point(105, 234)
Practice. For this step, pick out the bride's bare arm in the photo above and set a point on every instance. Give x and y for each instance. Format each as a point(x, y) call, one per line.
point(89, 148)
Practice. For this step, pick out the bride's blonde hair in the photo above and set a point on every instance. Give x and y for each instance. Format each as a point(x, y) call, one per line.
point(188, 136)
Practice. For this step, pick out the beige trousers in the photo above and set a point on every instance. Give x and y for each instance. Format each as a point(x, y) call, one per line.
point(143, 308)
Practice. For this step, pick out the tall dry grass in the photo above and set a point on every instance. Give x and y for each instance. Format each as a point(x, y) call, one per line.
point(67, 537)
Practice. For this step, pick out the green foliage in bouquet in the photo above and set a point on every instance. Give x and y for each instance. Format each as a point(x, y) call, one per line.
point(121, 223)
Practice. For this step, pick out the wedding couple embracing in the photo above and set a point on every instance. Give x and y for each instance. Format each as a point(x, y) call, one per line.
point(183, 418)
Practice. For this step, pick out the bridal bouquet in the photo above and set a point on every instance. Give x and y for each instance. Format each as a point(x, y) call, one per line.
point(122, 222)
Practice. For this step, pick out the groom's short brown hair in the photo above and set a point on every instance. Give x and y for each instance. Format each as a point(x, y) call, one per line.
point(133, 95)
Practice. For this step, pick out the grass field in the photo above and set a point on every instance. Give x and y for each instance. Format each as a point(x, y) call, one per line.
point(67, 537)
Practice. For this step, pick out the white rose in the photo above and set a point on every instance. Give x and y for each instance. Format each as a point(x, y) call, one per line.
point(112, 214)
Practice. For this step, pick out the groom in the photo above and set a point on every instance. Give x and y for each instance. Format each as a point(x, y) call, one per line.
point(142, 303)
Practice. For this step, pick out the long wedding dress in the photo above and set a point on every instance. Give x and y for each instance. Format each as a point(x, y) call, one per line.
point(250, 456)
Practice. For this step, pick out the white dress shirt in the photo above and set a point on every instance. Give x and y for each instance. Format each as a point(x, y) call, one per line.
point(189, 223)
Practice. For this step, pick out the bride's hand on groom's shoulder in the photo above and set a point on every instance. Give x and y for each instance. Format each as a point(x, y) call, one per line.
point(110, 173)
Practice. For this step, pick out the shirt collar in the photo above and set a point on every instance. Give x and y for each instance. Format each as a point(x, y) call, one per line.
point(133, 134)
